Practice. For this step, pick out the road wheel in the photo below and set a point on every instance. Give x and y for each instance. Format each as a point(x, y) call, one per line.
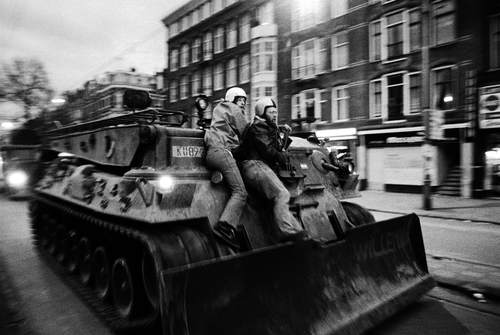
point(150, 278)
point(85, 260)
point(61, 241)
point(123, 287)
point(72, 252)
point(51, 237)
point(101, 272)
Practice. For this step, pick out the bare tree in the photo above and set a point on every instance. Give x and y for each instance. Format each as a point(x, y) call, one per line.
point(26, 81)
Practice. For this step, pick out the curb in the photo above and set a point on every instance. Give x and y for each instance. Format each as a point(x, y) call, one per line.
point(436, 216)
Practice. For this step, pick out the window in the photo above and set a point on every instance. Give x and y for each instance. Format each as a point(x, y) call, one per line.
point(444, 22)
point(207, 81)
point(189, 17)
point(265, 13)
point(296, 62)
point(219, 40)
point(174, 60)
point(184, 55)
point(324, 110)
point(196, 84)
point(195, 51)
point(196, 16)
point(323, 59)
point(231, 35)
point(184, 87)
point(310, 58)
point(375, 41)
point(305, 14)
point(244, 68)
point(174, 29)
point(340, 100)
point(495, 41)
point(401, 33)
point(309, 54)
point(173, 90)
point(415, 92)
point(245, 28)
point(415, 38)
point(263, 56)
point(338, 7)
point(394, 35)
point(205, 10)
point(207, 46)
point(268, 91)
point(375, 99)
point(219, 77)
point(184, 23)
point(307, 99)
point(296, 107)
point(340, 50)
point(231, 73)
point(217, 5)
point(395, 96)
point(443, 88)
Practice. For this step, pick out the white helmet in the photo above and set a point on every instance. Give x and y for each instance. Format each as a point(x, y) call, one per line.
point(235, 92)
point(262, 104)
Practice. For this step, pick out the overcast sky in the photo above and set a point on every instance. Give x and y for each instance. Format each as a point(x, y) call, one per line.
point(79, 39)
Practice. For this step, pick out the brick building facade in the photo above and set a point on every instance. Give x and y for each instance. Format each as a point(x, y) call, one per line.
point(366, 70)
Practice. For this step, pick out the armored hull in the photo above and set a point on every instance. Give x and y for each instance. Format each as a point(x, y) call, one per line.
point(127, 218)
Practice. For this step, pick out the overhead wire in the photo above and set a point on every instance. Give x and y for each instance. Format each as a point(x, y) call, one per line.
point(117, 57)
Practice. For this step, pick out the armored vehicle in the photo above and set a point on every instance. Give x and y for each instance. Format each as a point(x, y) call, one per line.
point(126, 216)
point(21, 156)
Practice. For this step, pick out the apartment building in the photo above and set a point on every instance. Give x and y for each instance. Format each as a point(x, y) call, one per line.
point(369, 69)
point(103, 95)
point(361, 73)
point(217, 44)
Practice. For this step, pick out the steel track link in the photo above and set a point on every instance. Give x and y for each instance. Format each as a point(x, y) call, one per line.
point(104, 310)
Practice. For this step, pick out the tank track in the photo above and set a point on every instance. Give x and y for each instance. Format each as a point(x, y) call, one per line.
point(94, 227)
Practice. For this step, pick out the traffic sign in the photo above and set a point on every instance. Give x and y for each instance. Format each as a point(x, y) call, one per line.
point(436, 120)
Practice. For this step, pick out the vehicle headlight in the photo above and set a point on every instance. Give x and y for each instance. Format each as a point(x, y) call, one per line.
point(16, 178)
point(166, 184)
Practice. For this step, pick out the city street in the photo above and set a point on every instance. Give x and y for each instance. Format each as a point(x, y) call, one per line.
point(48, 306)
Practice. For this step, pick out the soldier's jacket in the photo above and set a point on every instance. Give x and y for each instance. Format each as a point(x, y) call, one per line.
point(227, 128)
point(262, 142)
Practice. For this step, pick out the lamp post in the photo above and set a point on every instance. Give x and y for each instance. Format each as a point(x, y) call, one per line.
point(426, 189)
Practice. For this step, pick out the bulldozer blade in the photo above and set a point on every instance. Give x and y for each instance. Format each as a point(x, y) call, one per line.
point(344, 287)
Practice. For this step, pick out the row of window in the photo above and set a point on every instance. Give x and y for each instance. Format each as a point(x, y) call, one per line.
point(203, 49)
point(235, 71)
point(222, 38)
point(391, 37)
point(308, 14)
point(264, 13)
point(391, 96)
point(199, 14)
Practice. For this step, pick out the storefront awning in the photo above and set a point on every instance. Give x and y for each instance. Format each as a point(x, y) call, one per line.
point(337, 134)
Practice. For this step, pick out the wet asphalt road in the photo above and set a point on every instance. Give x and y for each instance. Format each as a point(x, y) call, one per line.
point(48, 306)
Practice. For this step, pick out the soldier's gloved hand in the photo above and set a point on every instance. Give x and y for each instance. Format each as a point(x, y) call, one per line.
point(285, 128)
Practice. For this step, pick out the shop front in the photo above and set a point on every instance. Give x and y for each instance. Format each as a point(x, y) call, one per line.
point(489, 146)
point(393, 159)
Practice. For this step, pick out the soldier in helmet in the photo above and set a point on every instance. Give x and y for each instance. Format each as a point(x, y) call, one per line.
point(222, 140)
point(261, 151)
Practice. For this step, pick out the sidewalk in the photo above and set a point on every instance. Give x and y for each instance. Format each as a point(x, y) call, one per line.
point(480, 210)
point(473, 278)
